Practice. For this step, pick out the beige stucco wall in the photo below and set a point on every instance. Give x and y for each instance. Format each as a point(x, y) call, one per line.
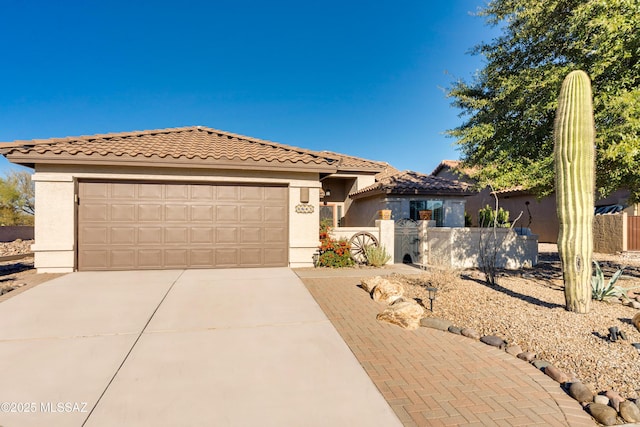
point(56, 220)
point(459, 247)
point(610, 233)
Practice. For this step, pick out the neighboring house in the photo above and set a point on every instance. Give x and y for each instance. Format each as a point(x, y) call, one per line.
point(191, 197)
point(406, 194)
point(539, 215)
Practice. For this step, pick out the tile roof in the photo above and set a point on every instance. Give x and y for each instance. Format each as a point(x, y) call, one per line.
point(197, 144)
point(410, 182)
point(358, 163)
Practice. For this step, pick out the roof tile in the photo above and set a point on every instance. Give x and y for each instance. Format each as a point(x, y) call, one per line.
point(410, 182)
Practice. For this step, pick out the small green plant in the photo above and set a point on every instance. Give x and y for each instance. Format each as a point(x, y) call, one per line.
point(333, 253)
point(376, 256)
point(487, 217)
point(600, 291)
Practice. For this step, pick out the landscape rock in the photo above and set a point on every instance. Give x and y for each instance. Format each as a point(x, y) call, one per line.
point(629, 411)
point(470, 333)
point(493, 341)
point(527, 356)
point(540, 364)
point(614, 399)
point(603, 414)
point(435, 323)
point(514, 349)
point(634, 304)
point(387, 291)
point(455, 330)
point(556, 374)
point(404, 313)
point(369, 283)
point(581, 392)
point(636, 320)
point(604, 400)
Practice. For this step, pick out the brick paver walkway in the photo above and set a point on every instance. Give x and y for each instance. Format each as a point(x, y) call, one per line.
point(435, 378)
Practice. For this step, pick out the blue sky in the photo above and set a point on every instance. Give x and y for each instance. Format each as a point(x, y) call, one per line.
point(357, 77)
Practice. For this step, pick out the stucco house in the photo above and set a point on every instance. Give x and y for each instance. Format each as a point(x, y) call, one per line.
point(197, 197)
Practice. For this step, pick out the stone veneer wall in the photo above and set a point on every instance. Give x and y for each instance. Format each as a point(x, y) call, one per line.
point(610, 233)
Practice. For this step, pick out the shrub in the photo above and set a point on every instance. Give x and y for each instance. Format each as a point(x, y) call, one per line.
point(600, 291)
point(377, 256)
point(333, 253)
point(487, 217)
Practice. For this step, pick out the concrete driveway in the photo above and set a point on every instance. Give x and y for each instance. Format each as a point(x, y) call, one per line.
point(240, 347)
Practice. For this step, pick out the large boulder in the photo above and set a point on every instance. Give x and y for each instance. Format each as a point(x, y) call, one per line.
point(369, 283)
point(404, 313)
point(387, 291)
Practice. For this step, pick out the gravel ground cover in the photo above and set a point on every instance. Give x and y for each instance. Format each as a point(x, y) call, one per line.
point(527, 308)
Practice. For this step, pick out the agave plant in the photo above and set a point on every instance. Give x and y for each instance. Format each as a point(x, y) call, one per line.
point(600, 291)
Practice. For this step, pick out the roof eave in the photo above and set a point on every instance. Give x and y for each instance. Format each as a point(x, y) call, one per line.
point(168, 162)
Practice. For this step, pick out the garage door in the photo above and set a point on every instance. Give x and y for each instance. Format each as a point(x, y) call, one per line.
point(135, 225)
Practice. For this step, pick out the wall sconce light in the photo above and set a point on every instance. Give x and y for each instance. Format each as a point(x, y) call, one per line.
point(327, 193)
point(304, 195)
point(432, 296)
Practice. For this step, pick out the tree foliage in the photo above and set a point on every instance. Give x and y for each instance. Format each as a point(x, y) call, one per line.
point(509, 106)
point(17, 199)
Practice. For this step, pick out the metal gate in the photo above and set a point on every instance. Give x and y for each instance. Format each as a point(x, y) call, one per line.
point(633, 233)
point(407, 241)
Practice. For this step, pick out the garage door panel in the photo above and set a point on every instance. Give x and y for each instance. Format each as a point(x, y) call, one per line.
point(276, 236)
point(150, 235)
point(251, 194)
point(226, 257)
point(177, 192)
point(201, 235)
point(150, 258)
point(134, 225)
point(226, 235)
point(96, 259)
point(251, 257)
point(227, 193)
point(274, 213)
point(202, 192)
point(95, 211)
point(251, 235)
point(125, 191)
point(251, 213)
point(123, 259)
point(122, 236)
point(149, 213)
point(227, 213)
point(273, 256)
point(150, 191)
point(173, 235)
point(122, 212)
point(176, 258)
point(96, 235)
point(201, 213)
point(202, 257)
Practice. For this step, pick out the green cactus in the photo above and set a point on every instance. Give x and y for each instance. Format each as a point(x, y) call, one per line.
point(574, 156)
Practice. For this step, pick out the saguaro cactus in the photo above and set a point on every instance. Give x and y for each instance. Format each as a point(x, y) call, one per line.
point(574, 155)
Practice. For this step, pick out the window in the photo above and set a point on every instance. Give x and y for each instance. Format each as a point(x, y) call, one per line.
point(331, 215)
point(435, 206)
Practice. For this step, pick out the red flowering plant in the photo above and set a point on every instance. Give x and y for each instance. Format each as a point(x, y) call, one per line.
point(333, 253)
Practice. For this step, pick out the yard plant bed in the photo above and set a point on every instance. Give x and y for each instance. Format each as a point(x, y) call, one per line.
point(527, 309)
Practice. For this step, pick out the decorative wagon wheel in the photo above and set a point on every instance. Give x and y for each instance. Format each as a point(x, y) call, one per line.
point(358, 243)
